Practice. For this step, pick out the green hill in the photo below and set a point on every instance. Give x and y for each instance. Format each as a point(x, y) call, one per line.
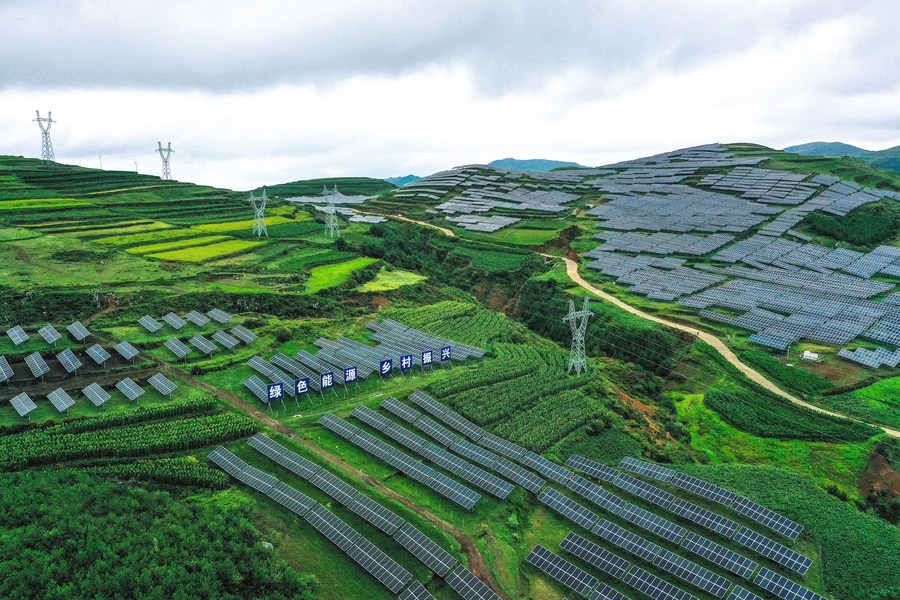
point(881, 159)
point(531, 164)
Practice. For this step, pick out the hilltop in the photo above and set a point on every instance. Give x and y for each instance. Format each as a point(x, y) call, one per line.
point(531, 164)
point(881, 159)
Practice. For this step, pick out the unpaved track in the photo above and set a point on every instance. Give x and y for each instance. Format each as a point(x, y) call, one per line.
point(719, 345)
point(475, 559)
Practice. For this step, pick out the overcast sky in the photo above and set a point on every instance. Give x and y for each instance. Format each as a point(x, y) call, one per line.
point(251, 93)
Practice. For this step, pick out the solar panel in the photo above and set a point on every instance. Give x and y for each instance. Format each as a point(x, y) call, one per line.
point(36, 364)
point(436, 431)
point(502, 446)
point(78, 331)
point(338, 425)
point(592, 468)
point(219, 316)
point(178, 348)
point(17, 335)
point(370, 417)
point(739, 593)
point(604, 592)
point(241, 471)
point(568, 508)
point(653, 523)
point(704, 488)
point(462, 425)
point(773, 550)
point(453, 490)
point(596, 494)
point(401, 410)
point(545, 467)
point(198, 319)
point(379, 565)
point(96, 394)
point(594, 555)
point(428, 403)
point(126, 350)
point(626, 540)
point(150, 324)
point(469, 587)
point(244, 334)
point(653, 586)
point(562, 570)
point(50, 334)
point(376, 514)
point(720, 555)
point(291, 461)
point(649, 469)
point(60, 400)
point(258, 388)
point(706, 518)
point(174, 321)
point(331, 526)
point(425, 549)
point(517, 474)
point(766, 517)
point(6, 372)
point(23, 404)
point(293, 500)
point(693, 573)
point(644, 490)
point(225, 340)
point(162, 384)
point(335, 487)
point(784, 587)
point(416, 591)
point(98, 353)
point(69, 361)
point(130, 389)
point(203, 345)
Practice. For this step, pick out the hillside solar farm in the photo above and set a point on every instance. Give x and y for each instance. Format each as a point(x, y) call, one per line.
point(354, 390)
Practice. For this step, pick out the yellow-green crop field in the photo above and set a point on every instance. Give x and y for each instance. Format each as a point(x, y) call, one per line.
point(155, 235)
point(176, 245)
point(41, 204)
point(121, 231)
point(237, 225)
point(202, 253)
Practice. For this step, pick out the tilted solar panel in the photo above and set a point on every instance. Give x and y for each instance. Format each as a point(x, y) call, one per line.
point(767, 517)
point(150, 324)
point(174, 321)
point(720, 555)
point(198, 319)
point(177, 347)
point(130, 389)
point(562, 570)
point(36, 364)
point(96, 394)
point(22, 404)
point(50, 334)
point(60, 400)
point(773, 550)
point(592, 468)
point(17, 335)
point(126, 350)
point(78, 331)
point(379, 565)
point(162, 384)
point(244, 334)
point(416, 591)
point(425, 549)
point(594, 555)
point(783, 587)
point(464, 583)
point(69, 361)
point(6, 372)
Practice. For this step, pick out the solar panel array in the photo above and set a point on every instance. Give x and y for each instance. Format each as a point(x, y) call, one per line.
point(425, 549)
point(653, 586)
point(568, 508)
point(720, 555)
point(767, 517)
point(174, 321)
point(594, 555)
point(628, 541)
point(202, 344)
point(197, 318)
point(783, 587)
point(227, 341)
point(597, 495)
point(739, 593)
point(22, 404)
point(366, 554)
point(219, 316)
point(452, 490)
point(592, 468)
point(644, 490)
point(469, 587)
point(415, 591)
point(703, 517)
point(563, 571)
point(244, 334)
point(653, 523)
point(693, 573)
point(96, 394)
point(773, 550)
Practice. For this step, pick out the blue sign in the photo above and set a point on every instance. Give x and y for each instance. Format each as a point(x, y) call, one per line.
point(327, 380)
point(301, 386)
point(386, 367)
point(446, 353)
point(427, 357)
point(275, 391)
point(350, 375)
point(405, 362)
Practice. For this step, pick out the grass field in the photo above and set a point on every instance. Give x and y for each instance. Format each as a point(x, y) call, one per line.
point(238, 225)
point(185, 243)
point(391, 280)
point(41, 204)
point(203, 253)
point(329, 276)
point(520, 237)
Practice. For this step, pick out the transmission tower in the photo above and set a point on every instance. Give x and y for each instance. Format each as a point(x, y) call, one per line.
point(578, 320)
point(46, 145)
point(259, 207)
point(164, 154)
point(331, 221)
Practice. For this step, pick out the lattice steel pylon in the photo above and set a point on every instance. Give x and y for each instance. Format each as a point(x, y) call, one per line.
point(259, 208)
point(332, 228)
point(164, 154)
point(578, 320)
point(46, 144)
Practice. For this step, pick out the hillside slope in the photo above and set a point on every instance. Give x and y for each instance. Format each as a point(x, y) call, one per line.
point(888, 158)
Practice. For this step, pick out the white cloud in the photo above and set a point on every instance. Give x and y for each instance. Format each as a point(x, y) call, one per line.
point(251, 96)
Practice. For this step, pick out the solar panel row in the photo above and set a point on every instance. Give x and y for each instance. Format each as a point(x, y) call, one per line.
point(562, 570)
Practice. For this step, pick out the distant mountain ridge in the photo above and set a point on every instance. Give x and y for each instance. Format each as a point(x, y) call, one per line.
point(531, 164)
point(881, 159)
point(401, 181)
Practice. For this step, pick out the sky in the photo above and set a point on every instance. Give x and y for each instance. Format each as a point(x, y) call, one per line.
point(254, 93)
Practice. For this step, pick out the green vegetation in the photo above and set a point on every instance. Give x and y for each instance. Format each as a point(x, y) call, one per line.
point(465, 323)
point(63, 530)
point(866, 226)
point(879, 402)
point(766, 415)
point(331, 275)
point(391, 280)
point(204, 253)
point(795, 378)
